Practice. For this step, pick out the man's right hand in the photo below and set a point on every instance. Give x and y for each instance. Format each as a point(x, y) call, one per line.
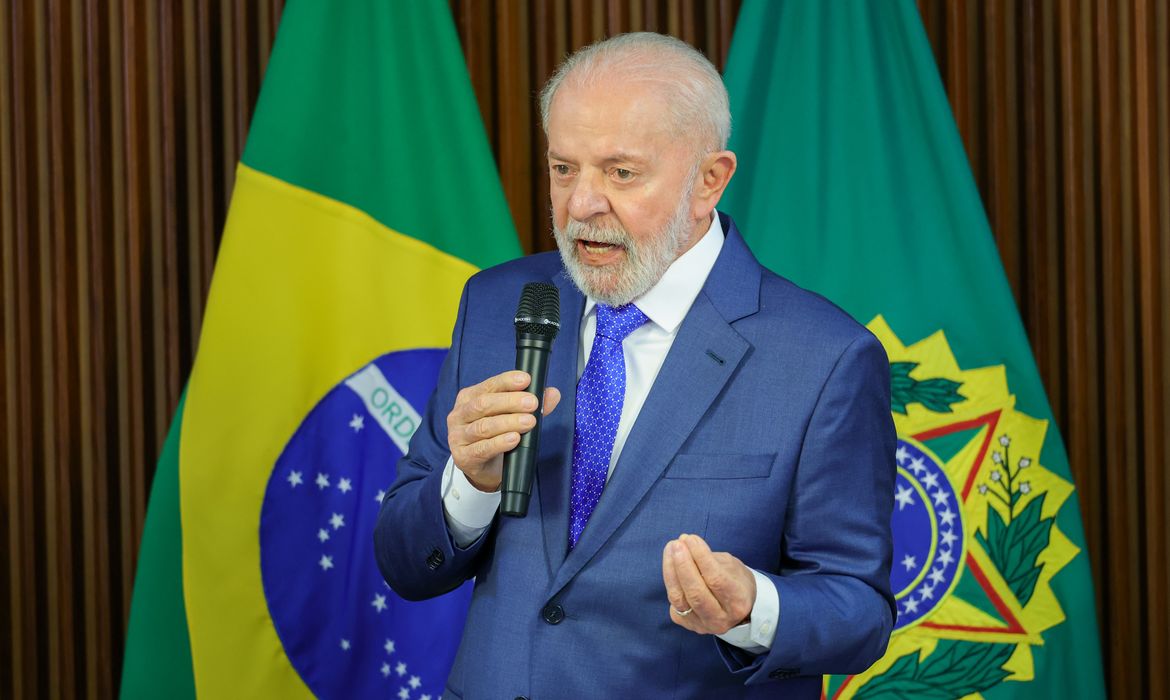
point(488, 420)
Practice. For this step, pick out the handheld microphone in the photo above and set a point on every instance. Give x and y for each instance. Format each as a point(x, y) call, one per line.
point(538, 318)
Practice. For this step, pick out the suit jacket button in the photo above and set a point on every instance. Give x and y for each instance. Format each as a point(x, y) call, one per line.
point(553, 613)
point(435, 559)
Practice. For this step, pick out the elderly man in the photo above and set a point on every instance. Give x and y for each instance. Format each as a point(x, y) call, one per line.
point(711, 512)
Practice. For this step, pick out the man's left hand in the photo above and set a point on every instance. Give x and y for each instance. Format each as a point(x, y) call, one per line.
point(718, 589)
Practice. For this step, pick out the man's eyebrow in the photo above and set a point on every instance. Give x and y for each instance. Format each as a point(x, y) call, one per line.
point(619, 157)
point(626, 157)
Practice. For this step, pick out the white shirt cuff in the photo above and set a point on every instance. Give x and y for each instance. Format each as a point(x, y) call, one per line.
point(755, 636)
point(468, 510)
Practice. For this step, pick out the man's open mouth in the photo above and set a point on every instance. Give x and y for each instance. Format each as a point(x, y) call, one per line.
point(597, 246)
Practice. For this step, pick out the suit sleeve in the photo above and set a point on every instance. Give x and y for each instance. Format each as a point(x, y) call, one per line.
point(836, 607)
point(413, 547)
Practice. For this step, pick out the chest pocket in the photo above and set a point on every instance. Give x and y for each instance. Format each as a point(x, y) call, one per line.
point(720, 466)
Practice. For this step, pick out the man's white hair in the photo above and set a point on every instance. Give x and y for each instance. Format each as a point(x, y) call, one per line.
point(695, 95)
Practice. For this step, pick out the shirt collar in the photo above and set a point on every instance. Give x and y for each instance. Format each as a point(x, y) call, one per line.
point(666, 303)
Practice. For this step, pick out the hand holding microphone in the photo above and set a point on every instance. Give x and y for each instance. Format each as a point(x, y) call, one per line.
point(488, 420)
point(498, 415)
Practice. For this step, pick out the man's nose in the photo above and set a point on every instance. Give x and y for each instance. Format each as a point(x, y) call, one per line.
point(588, 200)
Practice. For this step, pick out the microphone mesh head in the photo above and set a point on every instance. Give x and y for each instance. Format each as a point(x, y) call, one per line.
point(539, 311)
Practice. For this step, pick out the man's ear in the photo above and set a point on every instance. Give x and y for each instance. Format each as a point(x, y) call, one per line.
point(715, 172)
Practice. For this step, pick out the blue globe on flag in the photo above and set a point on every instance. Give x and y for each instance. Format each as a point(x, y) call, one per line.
point(929, 538)
point(346, 633)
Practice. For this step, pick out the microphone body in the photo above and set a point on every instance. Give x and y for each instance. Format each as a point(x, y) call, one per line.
point(537, 323)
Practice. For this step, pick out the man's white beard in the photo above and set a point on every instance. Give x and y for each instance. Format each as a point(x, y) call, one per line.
point(644, 262)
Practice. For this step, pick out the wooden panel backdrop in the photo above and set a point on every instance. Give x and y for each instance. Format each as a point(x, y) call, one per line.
point(120, 126)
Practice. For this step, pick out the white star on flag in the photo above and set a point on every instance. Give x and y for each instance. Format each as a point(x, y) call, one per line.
point(425, 697)
point(946, 557)
point(931, 480)
point(947, 516)
point(344, 486)
point(326, 562)
point(415, 682)
point(936, 576)
point(909, 562)
point(337, 521)
point(940, 497)
point(918, 465)
point(386, 670)
point(294, 479)
point(322, 480)
point(322, 534)
point(404, 692)
point(904, 497)
point(949, 538)
point(928, 593)
point(357, 423)
point(400, 669)
point(379, 602)
point(903, 454)
point(911, 606)
point(345, 644)
point(389, 646)
point(379, 496)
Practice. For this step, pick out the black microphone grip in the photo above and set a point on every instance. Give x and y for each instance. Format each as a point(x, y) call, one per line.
point(532, 353)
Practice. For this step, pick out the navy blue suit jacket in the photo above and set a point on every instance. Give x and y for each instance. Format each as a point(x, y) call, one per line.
point(767, 432)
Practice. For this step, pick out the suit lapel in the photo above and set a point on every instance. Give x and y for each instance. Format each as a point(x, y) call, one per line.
point(553, 479)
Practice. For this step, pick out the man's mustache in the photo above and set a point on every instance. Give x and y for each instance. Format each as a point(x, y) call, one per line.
point(581, 231)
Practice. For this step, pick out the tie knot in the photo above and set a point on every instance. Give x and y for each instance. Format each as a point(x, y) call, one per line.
point(617, 322)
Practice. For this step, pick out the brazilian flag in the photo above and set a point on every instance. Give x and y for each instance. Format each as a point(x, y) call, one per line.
point(365, 198)
point(854, 183)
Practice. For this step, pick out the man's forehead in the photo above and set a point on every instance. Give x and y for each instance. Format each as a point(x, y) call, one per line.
point(615, 122)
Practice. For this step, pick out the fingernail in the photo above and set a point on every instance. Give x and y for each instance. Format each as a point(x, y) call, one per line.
point(529, 402)
point(519, 378)
point(527, 420)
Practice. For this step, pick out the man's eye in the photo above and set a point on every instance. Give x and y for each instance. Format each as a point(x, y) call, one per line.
point(623, 174)
point(561, 169)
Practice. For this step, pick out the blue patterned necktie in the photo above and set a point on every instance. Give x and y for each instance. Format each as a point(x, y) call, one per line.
point(600, 394)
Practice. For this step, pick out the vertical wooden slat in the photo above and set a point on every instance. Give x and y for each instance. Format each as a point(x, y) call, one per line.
point(50, 526)
point(479, 55)
point(153, 213)
point(23, 576)
point(1159, 517)
point(728, 9)
point(1151, 389)
point(1003, 175)
point(227, 96)
point(514, 158)
point(1124, 613)
point(57, 351)
point(209, 232)
point(95, 569)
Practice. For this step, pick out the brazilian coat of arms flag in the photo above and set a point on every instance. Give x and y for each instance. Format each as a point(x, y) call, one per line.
point(853, 182)
point(365, 198)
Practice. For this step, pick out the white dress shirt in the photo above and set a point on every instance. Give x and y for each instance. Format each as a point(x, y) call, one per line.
point(469, 511)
